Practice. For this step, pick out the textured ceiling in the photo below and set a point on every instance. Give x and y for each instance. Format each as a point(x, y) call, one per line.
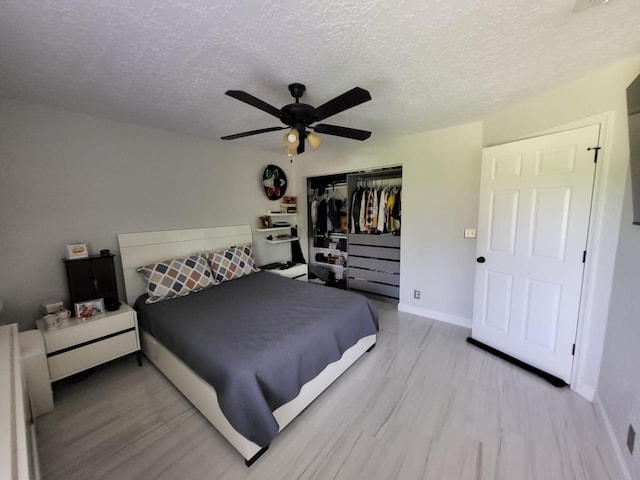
point(427, 64)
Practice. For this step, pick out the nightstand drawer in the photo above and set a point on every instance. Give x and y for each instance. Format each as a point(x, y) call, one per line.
point(62, 365)
point(88, 330)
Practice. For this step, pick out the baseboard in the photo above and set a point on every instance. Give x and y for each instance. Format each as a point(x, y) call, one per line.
point(435, 315)
point(602, 413)
point(585, 391)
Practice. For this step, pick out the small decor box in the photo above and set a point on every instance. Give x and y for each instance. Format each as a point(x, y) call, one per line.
point(264, 221)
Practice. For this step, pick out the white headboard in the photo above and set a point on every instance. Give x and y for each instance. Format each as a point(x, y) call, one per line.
point(142, 248)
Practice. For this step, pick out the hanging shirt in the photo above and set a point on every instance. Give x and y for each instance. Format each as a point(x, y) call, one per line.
point(335, 204)
point(368, 216)
point(355, 211)
point(396, 212)
point(382, 203)
point(363, 211)
point(321, 225)
point(314, 211)
point(390, 203)
point(374, 217)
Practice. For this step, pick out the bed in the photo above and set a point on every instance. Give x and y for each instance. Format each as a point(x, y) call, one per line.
point(250, 353)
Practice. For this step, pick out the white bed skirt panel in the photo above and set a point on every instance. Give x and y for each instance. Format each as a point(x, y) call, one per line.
point(203, 396)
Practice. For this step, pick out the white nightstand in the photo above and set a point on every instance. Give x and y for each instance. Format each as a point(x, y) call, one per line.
point(77, 344)
point(297, 272)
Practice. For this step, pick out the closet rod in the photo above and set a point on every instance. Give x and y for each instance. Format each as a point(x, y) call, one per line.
point(379, 182)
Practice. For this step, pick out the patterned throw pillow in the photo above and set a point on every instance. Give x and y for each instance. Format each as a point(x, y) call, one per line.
point(176, 277)
point(234, 262)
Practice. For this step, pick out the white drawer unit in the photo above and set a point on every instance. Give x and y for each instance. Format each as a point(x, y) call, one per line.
point(297, 272)
point(77, 344)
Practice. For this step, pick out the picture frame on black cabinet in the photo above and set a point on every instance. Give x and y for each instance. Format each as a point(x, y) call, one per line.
point(77, 250)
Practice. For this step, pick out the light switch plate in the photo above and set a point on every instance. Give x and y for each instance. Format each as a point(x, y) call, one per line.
point(469, 233)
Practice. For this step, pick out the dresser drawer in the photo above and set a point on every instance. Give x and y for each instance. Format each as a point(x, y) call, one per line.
point(78, 359)
point(88, 330)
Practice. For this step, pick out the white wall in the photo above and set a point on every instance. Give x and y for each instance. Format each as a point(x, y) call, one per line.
point(619, 386)
point(67, 177)
point(441, 172)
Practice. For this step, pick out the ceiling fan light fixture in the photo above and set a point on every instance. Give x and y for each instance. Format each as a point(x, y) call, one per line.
point(314, 140)
point(291, 139)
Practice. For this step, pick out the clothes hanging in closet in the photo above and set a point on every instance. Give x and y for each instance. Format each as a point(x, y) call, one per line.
point(326, 209)
point(321, 221)
point(376, 210)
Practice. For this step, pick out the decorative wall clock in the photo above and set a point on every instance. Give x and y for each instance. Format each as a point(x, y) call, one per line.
point(274, 182)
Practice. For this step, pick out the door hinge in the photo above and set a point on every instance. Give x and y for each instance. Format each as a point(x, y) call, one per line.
point(573, 350)
point(595, 156)
point(584, 256)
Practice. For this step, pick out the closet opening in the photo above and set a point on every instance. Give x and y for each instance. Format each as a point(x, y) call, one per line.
point(327, 230)
point(354, 231)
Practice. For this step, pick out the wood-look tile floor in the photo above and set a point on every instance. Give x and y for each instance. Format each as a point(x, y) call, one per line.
point(424, 404)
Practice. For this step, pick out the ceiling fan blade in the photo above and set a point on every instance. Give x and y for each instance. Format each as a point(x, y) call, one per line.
point(252, 132)
point(346, 132)
point(255, 102)
point(349, 99)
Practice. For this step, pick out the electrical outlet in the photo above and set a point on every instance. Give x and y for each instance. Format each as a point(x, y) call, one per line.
point(416, 294)
point(469, 233)
point(631, 438)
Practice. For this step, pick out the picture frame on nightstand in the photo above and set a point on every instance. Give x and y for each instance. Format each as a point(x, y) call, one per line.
point(89, 308)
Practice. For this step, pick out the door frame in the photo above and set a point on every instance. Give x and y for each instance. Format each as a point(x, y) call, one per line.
point(601, 245)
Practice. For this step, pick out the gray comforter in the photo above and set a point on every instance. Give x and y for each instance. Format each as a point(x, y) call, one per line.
point(258, 339)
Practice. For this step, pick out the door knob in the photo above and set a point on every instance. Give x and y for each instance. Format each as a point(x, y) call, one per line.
point(480, 260)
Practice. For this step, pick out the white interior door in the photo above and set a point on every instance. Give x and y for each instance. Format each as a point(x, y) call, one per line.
point(535, 202)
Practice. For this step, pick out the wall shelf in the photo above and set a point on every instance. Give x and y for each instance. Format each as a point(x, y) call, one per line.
point(283, 240)
point(273, 229)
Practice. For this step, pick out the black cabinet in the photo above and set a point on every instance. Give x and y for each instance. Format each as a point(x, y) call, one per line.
point(91, 278)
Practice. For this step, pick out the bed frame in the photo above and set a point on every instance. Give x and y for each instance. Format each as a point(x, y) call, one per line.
point(147, 247)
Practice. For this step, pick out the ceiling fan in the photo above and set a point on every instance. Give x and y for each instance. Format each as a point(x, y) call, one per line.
point(299, 117)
